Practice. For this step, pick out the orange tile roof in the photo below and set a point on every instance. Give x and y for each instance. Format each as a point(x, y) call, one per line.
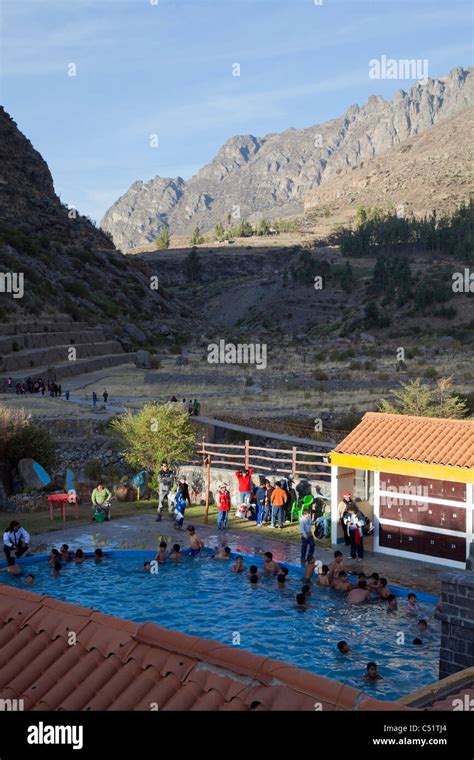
point(119, 665)
point(429, 440)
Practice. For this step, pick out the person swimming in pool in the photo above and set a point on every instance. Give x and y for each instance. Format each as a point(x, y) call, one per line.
point(342, 582)
point(281, 580)
point(30, 579)
point(309, 569)
point(301, 603)
point(323, 577)
point(253, 570)
point(343, 647)
point(336, 567)
point(162, 554)
point(195, 543)
point(372, 674)
point(269, 565)
point(12, 568)
point(56, 569)
point(392, 603)
point(54, 556)
point(79, 557)
point(175, 553)
point(253, 579)
point(412, 608)
point(99, 556)
point(223, 553)
point(146, 567)
point(359, 594)
point(66, 555)
point(238, 566)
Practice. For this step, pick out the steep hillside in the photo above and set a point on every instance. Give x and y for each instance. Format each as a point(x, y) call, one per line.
point(68, 267)
point(272, 175)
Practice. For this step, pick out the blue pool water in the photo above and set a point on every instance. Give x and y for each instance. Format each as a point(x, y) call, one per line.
point(204, 598)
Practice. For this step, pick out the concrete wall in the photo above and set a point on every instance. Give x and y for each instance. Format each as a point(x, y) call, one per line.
point(457, 623)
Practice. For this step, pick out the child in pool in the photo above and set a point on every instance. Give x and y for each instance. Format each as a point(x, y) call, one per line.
point(392, 605)
point(253, 570)
point(79, 557)
point(323, 577)
point(281, 580)
point(306, 591)
point(161, 554)
point(309, 569)
point(412, 608)
point(98, 556)
point(30, 579)
point(238, 566)
point(54, 557)
point(343, 647)
point(56, 569)
point(223, 553)
point(175, 553)
point(342, 582)
point(12, 568)
point(372, 674)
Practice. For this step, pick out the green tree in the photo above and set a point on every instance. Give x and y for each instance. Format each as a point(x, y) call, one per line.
point(192, 266)
point(197, 238)
point(347, 278)
point(157, 432)
point(263, 227)
point(162, 241)
point(421, 400)
point(32, 441)
point(219, 232)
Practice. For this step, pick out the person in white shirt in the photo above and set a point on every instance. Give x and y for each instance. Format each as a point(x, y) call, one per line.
point(307, 540)
point(15, 539)
point(355, 521)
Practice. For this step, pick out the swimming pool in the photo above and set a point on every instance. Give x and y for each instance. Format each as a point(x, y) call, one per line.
point(204, 598)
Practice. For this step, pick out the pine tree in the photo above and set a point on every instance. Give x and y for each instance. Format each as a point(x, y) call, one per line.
point(197, 238)
point(162, 241)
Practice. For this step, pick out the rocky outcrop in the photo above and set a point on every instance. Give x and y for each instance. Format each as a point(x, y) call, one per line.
point(270, 176)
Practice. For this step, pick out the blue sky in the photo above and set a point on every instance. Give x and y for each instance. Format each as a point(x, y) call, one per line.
point(166, 69)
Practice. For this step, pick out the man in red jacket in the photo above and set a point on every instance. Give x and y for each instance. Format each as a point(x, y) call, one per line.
point(224, 507)
point(245, 484)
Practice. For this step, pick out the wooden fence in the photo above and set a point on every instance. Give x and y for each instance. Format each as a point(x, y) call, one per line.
point(263, 459)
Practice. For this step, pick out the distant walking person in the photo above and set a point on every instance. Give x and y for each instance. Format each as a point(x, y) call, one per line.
point(307, 540)
point(67, 394)
point(94, 399)
point(105, 396)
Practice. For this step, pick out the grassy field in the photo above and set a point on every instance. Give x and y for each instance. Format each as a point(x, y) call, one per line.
point(39, 522)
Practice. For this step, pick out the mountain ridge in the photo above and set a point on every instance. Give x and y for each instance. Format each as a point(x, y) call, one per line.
point(253, 176)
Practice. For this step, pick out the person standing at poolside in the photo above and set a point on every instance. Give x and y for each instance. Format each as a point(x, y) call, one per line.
point(224, 507)
point(244, 478)
point(165, 480)
point(343, 507)
point(307, 540)
point(355, 521)
point(278, 500)
point(195, 543)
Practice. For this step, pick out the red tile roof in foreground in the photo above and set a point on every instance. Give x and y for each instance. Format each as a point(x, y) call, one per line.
point(429, 440)
point(120, 665)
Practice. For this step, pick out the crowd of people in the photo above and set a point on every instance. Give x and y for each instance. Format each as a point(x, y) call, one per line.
point(191, 406)
point(35, 385)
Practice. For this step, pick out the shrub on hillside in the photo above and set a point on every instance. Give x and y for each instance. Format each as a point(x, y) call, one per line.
point(32, 441)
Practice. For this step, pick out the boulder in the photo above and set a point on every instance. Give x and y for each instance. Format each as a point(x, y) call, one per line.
point(135, 333)
point(143, 359)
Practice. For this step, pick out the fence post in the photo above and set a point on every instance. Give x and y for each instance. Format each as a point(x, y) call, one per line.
point(203, 452)
point(293, 463)
point(208, 486)
point(247, 454)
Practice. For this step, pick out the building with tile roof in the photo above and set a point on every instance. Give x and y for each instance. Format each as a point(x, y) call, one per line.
point(417, 475)
point(60, 656)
